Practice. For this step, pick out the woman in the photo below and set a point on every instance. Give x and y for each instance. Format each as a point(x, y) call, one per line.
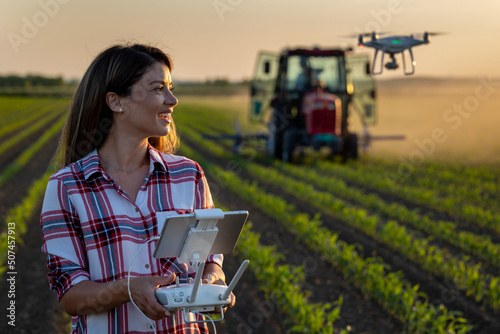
point(100, 208)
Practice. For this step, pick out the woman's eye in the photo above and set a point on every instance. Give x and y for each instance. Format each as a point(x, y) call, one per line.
point(159, 89)
point(172, 88)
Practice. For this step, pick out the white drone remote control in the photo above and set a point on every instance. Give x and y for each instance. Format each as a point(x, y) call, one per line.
point(178, 297)
point(197, 296)
point(191, 238)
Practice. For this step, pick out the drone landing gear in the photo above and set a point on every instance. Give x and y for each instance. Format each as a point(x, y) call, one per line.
point(412, 63)
point(375, 72)
point(393, 65)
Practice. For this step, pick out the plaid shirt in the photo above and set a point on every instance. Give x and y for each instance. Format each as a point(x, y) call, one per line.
point(92, 230)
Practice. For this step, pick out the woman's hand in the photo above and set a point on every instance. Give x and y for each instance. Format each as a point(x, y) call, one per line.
point(213, 274)
point(89, 297)
point(143, 289)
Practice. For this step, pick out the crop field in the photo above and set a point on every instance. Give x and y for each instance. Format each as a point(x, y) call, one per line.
point(405, 240)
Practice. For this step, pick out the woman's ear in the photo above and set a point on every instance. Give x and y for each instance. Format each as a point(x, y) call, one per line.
point(113, 101)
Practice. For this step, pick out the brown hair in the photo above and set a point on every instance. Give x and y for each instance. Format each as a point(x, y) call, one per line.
point(116, 69)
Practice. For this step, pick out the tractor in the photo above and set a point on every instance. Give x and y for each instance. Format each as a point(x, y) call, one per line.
point(305, 96)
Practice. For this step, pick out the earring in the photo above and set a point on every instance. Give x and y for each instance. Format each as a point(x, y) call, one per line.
point(121, 109)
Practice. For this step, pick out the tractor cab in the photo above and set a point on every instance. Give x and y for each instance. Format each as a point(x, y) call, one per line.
point(304, 95)
point(305, 70)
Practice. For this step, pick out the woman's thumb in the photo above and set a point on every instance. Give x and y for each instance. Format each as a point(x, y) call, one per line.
point(164, 280)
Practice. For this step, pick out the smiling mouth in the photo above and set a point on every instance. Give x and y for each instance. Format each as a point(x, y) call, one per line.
point(166, 116)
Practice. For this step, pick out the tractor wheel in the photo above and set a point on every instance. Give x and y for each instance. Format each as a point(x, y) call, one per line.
point(275, 138)
point(350, 149)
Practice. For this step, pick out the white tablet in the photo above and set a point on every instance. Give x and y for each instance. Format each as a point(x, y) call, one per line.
point(176, 229)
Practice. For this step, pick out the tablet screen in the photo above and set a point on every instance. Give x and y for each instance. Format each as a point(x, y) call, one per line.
point(176, 229)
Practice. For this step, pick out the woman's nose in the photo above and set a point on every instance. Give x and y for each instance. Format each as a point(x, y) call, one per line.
point(170, 99)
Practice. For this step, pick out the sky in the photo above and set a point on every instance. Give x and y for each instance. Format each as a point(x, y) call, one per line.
point(210, 39)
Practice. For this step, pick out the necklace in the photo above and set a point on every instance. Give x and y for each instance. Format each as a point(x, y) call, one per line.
point(123, 170)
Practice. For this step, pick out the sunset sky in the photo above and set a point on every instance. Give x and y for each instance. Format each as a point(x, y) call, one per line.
point(221, 38)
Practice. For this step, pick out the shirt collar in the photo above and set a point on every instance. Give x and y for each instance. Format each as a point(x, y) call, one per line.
point(156, 159)
point(91, 165)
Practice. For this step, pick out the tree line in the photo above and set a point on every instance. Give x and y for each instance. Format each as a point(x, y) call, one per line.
point(31, 81)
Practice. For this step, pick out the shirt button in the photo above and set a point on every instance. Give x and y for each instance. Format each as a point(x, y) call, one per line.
point(144, 237)
point(147, 266)
point(136, 209)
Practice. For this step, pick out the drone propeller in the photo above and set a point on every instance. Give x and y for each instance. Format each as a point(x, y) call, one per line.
point(427, 34)
point(435, 33)
point(374, 36)
point(366, 34)
point(351, 36)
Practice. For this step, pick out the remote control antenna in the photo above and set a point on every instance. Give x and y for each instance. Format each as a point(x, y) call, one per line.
point(234, 281)
point(197, 282)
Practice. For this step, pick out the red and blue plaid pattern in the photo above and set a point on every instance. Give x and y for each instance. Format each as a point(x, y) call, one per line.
point(92, 230)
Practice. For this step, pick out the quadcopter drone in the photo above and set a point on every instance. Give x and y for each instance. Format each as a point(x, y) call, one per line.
point(393, 45)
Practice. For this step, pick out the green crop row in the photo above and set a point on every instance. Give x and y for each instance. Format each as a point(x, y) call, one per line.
point(16, 120)
point(28, 154)
point(480, 246)
point(446, 184)
point(12, 105)
point(19, 217)
point(479, 216)
point(396, 295)
point(48, 115)
point(476, 176)
point(284, 286)
point(21, 112)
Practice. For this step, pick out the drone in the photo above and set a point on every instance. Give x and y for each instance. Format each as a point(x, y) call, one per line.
point(393, 45)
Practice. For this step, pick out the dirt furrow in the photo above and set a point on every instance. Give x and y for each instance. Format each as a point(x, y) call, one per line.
point(14, 189)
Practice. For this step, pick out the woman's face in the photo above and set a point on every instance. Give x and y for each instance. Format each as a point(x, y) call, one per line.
point(147, 112)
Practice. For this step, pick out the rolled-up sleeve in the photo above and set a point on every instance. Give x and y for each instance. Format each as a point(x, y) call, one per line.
point(62, 239)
